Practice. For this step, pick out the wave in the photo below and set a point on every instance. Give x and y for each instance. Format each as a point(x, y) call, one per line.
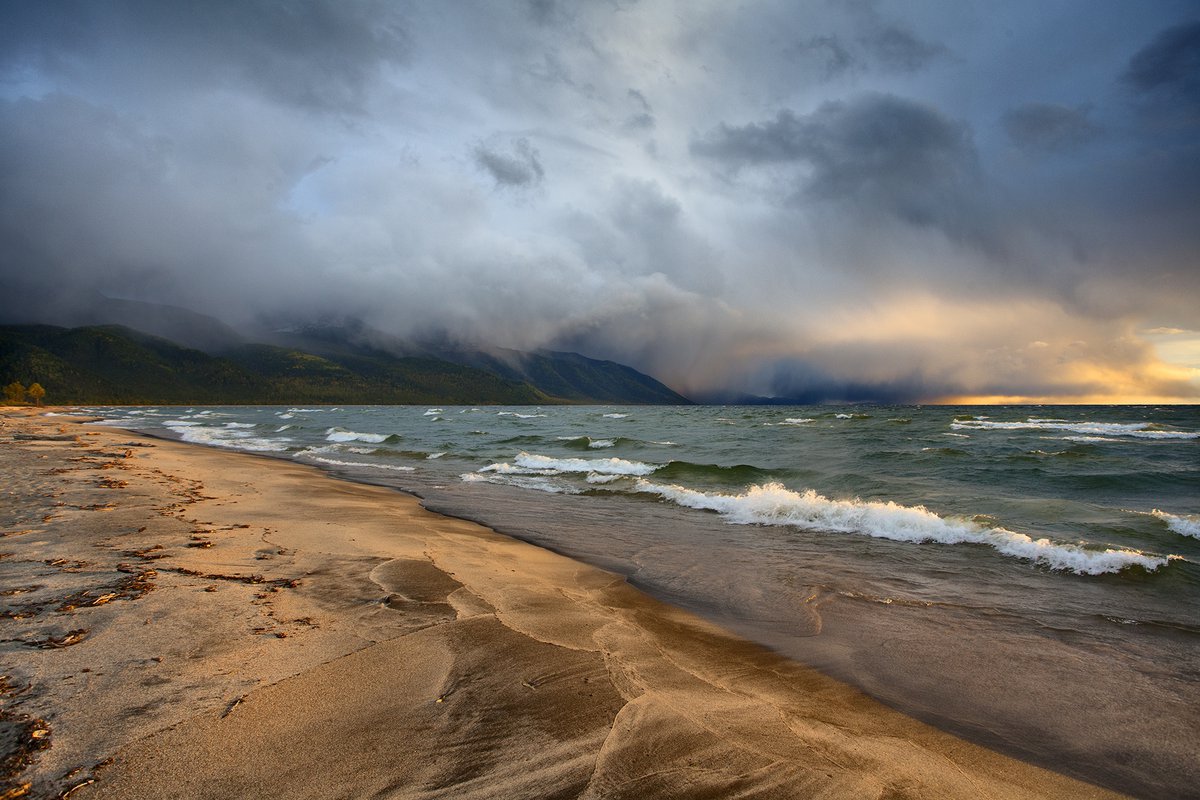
point(795, 421)
point(116, 422)
point(524, 482)
point(1140, 430)
point(234, 438)
point(531, 463)
point(518, 415)
point(588, 443)
point(737, 473)
point(615, 416)
point(433, 412)
point(774, 504)
point(1183, 524)
point(343, 435)
point(366, 464)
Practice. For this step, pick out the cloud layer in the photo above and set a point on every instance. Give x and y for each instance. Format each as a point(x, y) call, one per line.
point(818, 200)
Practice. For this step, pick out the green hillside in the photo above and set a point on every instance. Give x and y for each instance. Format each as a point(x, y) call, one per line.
point(116, 365)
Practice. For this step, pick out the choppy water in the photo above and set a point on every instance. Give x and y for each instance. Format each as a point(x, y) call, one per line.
point(1027, 577)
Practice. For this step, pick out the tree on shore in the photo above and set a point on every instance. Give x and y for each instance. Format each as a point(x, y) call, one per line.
point(36, 393)
point(15, 392)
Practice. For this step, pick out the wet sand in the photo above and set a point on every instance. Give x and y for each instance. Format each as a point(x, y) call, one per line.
point(187, 622)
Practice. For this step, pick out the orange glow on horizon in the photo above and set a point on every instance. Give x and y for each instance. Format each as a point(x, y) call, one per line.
point(1079, 400)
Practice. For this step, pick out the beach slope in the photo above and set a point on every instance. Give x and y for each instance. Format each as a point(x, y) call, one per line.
point(188, 622)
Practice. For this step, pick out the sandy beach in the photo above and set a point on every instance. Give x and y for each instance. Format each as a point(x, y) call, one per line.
point(181, 621)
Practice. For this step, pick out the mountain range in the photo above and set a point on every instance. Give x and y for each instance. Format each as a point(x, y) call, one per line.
point(165, 355)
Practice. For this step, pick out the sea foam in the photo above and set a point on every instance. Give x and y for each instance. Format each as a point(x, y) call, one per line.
point(365, 464)
point(774, 504)
point(1140, 430)
point(1183, 524)
point(237, 438)
point(342, 435)
point(538, 464)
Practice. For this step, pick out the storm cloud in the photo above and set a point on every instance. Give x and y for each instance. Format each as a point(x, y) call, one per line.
point(877, 152)
point(1048, 127)
point(1170, 64)
point(518, 165)
point(816, 200)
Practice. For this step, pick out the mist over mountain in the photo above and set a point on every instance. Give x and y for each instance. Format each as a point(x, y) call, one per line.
point(134, 352)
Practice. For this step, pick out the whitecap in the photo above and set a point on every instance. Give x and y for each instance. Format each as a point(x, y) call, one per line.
point(234, 438)
point(366, 464)
point(1140, 430)
point(523, 482)
point(774, 504)
point(796, 421)
point(1183, 524)
point(343, 435)
point(531, 462)
point(517, 414)
point(598, 444)
point(615, 416)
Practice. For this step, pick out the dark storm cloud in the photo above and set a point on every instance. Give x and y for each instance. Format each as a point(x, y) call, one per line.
point(826, 51)
point(316, 54)
point(896, 48)
point(516, 166)
point(1048, 127)
point(1170, 65)
point(879, 153)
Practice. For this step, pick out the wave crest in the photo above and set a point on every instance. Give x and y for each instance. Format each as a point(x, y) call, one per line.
point(774, 504)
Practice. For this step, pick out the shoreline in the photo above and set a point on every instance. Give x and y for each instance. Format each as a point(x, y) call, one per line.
point(222, 624)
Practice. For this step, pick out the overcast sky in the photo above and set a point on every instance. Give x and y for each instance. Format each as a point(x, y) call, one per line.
point(822, 200)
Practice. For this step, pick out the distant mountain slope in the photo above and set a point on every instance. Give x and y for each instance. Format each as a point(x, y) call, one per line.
point(570, 375)
point(115, 365)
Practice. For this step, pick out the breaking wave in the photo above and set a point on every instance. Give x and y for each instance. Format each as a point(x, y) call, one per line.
point(365, 464)
point(531, 463)
point(237, 438)
point(774, 504)
point(1183, 524)
point(1140, 430)
point(342, 435)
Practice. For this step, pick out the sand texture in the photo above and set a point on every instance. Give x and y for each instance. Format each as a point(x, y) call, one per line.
point(183, 622)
